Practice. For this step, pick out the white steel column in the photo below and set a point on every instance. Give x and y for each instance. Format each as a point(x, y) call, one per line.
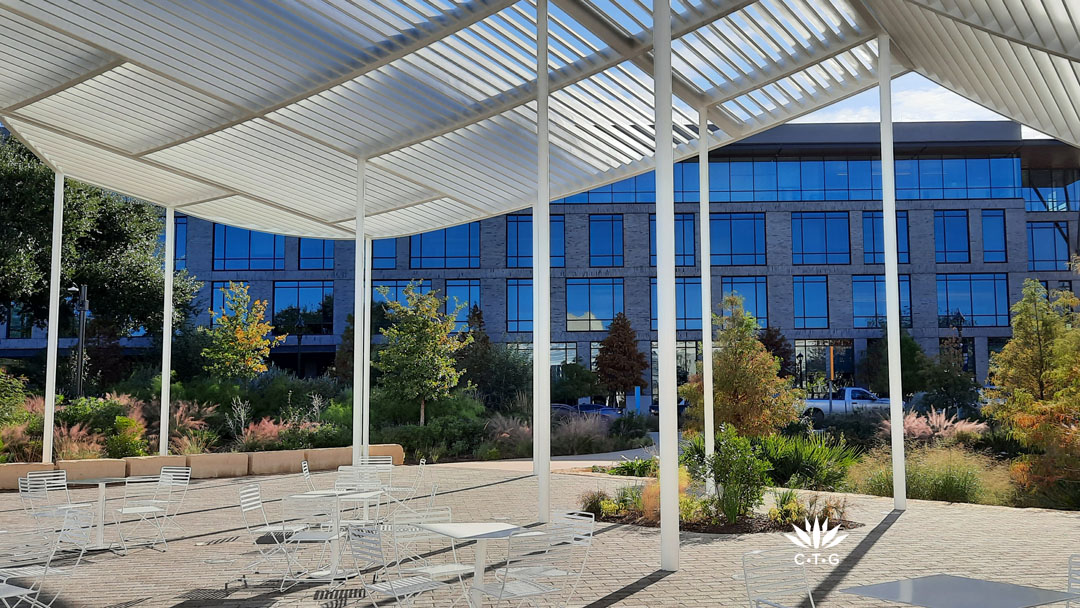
point(167, 329)
point(360, 318)
point(366, 360)
point(704, 214)
point(665, 289)
point(541, 232)
point(53, 337)
point(892, 280)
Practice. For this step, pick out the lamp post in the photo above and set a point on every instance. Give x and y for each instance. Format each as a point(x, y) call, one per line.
point(299, 342)
point(83, 307)
point(799, 368)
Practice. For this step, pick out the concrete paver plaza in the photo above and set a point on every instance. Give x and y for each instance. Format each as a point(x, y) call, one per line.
point(995, 543)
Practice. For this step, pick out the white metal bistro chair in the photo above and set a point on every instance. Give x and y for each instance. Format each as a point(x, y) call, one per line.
point(773, 577)
point(268, 538)
point(305, 470)
point(45, 497)
point(525, 578)
point(418, 551)
point(171, 489)
point(1074, 578)
point(360, 479)
point(365, 545)
point(30, 558)
point(141, 505)
point(577, 528)
point(400, 496)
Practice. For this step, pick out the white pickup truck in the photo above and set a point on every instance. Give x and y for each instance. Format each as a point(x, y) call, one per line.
point(845, 401)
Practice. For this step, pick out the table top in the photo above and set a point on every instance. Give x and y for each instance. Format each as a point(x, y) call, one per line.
point(339, 494)
point(946, 591)
point(97, 481)
point(472, 530)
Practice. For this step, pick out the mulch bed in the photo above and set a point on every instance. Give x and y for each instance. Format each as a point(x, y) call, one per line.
point(752, 525)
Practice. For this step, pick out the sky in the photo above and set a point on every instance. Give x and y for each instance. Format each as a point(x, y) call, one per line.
point(914, 99)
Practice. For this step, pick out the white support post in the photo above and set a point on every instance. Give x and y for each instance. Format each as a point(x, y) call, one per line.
point(361, 307)
point(704, 215)
point(892, 280)
point(53, 338)
point(665, 289)
point(541, 231)
point(366, 428)
point(167, 329)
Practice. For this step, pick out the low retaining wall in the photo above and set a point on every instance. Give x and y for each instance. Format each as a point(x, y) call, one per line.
point(203, 466)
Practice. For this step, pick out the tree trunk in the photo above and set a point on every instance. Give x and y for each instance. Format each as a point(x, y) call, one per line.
point(421, 412)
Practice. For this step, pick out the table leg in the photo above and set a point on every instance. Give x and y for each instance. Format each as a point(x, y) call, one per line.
point(476, 599)
point(101, 517)
point(335, 543)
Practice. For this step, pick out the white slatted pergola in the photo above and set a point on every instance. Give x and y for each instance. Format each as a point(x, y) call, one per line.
point(363, 119)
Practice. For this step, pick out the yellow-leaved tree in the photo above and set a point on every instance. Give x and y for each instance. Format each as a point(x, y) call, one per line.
point(240, 339)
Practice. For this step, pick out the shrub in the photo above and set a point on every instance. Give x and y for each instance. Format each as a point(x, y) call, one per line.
point(935, 426)
point(739, 474)
point(448, 436)
point(638, 467)
point(580, 435)
point(126, 439)
point(188, 416)
point(630, 425)
point(692, 457)
point(950, 474)
point(193, 441)
point(12, 395)
point(21, 442)
point(791, 510)
point(96, 414)
point(260, 436)
point(860, 429)
point(76, 442)
point(511, 437)
point(590, 501)
point(816, 462)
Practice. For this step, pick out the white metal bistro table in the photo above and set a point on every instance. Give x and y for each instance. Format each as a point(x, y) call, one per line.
point(335, 571)
point(947, 591)
point(101, 483)
point(481, 532)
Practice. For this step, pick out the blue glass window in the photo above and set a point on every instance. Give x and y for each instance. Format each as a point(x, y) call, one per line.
point(217, 298)
point(519, 305)
point(868, 300)
point(687, 303)
point(811, 302)
point(384, 254)
point(312, 301)
point(465, 293)
point(980, 300)
point(993, 235)
point(519, 241)
point(180, 237)
point(457, 247)
point(316, 254)
point(605, 240)
point(820, 238)
point(240, 249)
point(395, 290)
point(1051, 189)
point(754, 292)
point(874, 238)
point(738, 239)
point(684, 239)
point(1048, 245)
point(951, 236)
point(591, 304)
point(17, 326)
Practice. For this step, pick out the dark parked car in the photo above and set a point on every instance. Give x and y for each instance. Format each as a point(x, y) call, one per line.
point(585, 408)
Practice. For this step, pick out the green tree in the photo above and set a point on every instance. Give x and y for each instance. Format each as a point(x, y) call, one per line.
point(110, 243)
point(496, 371)
point(748, 392)
point(1038, 375)
point(343, 356)
point(241, 339)
point(914, 365)
point(572, 381)
point(776, 343)
point(620, 366)
point(949, 384)
point(417, 360)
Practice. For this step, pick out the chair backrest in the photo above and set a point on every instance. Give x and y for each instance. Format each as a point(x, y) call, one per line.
point(48, 487)
point(365, 543)
point(358, 478)
point(434, 495)
point(172, 485)
point(306, 471)
point(251, 507)
point(77, 529)
point(140, 491)
point(774, 575)
point(579, 525)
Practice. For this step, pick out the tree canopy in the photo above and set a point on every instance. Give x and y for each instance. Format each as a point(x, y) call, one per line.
point(620, 366)
point(110, 243)
point(239, 344)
